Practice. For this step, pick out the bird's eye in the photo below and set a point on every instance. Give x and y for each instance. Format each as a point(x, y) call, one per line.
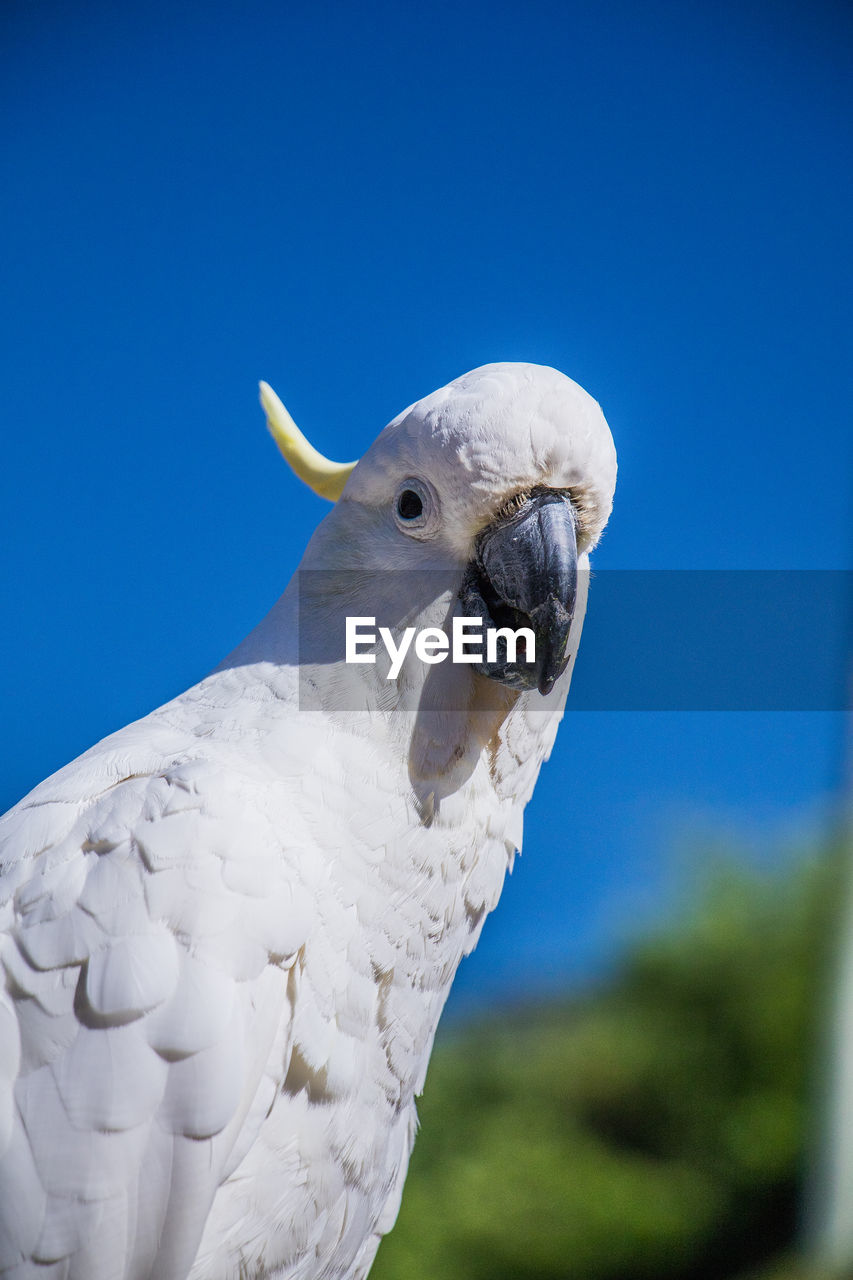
point(409, 505)
point(416, 508)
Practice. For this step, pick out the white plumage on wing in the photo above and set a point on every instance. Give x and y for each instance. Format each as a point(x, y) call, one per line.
point(229, 929)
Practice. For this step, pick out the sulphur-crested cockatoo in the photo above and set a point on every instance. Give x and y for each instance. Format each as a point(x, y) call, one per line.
point(229, 929)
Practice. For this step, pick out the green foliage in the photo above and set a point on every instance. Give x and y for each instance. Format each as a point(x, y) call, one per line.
point(653, 1128)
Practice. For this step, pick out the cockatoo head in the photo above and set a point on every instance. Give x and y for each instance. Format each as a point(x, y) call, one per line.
point(500, 482)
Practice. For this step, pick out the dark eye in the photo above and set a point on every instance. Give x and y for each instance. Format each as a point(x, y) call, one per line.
point(416, 508)
point(409, 505)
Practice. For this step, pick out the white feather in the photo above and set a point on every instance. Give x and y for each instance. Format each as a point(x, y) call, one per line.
point(197, 1014)
point(131, 975)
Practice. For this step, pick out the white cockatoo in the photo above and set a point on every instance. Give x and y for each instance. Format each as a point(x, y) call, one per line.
point(229, 929)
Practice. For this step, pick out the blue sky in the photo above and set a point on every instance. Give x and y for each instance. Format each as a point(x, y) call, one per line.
point(358, 203)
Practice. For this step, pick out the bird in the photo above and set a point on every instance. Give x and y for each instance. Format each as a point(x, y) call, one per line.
point(228, 930)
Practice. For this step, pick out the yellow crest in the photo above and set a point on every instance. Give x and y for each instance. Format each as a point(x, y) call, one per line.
point(320, 474)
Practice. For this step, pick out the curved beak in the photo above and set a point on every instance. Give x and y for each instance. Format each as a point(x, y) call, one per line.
point(524, 575)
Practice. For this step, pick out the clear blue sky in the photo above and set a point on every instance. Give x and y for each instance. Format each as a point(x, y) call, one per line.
point(359, 202)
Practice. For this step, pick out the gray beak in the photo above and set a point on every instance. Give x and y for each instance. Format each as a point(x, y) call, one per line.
point(524, 574)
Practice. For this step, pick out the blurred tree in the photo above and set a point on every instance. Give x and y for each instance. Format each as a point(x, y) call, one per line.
point(655, 1127)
